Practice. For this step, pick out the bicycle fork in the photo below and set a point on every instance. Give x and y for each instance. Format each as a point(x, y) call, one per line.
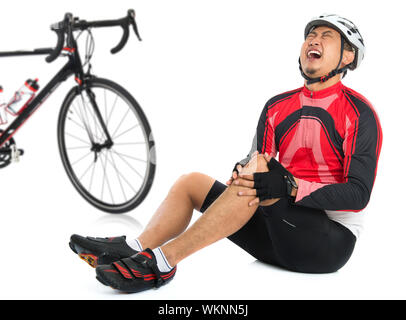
point(97, 147)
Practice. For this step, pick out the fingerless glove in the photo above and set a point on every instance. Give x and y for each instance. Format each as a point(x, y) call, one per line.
point(272, 184)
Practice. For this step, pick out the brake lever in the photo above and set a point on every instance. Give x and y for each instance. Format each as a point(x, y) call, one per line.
point(125, 25)
point(60, 29)
point(136, 30)
point(131, 16)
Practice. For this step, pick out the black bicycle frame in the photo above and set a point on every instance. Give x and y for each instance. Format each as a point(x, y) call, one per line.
point(67, 70)
point(73, 67)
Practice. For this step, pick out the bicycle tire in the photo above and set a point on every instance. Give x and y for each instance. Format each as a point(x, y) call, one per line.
point(116, 208)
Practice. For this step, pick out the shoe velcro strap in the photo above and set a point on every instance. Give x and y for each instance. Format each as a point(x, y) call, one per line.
point(136, 260)
point(144, 260)
point(123, 269)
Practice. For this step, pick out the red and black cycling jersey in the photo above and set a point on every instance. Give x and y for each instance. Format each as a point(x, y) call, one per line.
point(329, 139)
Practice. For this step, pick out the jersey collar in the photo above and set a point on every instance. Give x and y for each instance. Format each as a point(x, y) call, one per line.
point(322, 93)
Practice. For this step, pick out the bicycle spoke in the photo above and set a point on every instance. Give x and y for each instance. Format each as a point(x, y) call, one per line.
point(108, 184)
point(132, 128)
point(87, 169)
point(98, 126)
point(122, 119)
point(105, 105)
point(127, 156)
point(73, 148)
point(85, 113)
point(95, 128)
point(77, 123)
point(105, 178)
point(129, 184)
point(91, 178)
point(86, 126)
point(119, 181)
point(81, 158)
point(71, 135)
point(76, 107)
point(128, 143)
point(111, 112)
point(91, 111)
point(85, 122)
point(125, 161)
point(118, 176)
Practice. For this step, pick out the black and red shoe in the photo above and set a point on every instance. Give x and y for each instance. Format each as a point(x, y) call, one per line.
point(98, 251)
point(134, 274)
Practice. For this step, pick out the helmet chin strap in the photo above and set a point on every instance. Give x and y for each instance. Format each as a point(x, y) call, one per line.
point(331, 74)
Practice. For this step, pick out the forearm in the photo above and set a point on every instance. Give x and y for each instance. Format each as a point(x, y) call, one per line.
point(352, 195)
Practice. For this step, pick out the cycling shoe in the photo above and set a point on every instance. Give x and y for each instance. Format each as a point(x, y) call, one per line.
point(134, 274)
point(100, 251)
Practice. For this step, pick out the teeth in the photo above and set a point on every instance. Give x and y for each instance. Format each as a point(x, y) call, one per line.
point(313, 51)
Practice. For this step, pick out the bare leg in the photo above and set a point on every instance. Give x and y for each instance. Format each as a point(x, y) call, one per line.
point(175, 212)
point(224, 217)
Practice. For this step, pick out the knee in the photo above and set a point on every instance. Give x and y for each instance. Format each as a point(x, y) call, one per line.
point(195, 185)
point(188, 178)
point(187, 181)
point(256, 164)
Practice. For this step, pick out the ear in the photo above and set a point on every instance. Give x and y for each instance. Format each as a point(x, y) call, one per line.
point(348, 57)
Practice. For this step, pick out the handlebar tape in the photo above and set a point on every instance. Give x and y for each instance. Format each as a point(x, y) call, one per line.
point(57, 50)
point(123, 40)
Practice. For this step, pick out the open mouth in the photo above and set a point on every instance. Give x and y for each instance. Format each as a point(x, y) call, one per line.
point(313, 54)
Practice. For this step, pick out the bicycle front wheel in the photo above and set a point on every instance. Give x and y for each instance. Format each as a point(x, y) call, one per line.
point(106, 145)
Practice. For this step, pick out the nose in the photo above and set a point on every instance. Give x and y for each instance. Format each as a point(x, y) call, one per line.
point(314, 42)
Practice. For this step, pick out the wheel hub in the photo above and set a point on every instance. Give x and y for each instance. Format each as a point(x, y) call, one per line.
point(98, 147)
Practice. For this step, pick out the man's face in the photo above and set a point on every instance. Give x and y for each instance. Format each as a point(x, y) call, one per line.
point(320, 51)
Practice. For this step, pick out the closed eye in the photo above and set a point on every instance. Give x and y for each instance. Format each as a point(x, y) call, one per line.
point(311, 35)
point(324, 34)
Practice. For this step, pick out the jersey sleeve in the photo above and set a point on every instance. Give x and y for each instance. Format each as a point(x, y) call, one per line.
point(363, 144)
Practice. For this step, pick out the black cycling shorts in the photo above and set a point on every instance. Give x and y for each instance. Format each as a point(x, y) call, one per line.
point(290, 236)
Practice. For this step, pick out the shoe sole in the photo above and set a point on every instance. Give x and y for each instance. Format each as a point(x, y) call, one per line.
point(102, 282)
point(90, 259)
point(99, 277)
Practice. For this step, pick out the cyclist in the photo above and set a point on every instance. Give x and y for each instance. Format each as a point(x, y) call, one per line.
point(302, 212)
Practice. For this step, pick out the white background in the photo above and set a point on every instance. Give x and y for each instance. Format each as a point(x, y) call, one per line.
point(202, 74)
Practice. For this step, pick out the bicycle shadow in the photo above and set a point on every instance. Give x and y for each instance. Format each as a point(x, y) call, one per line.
point(118, 223)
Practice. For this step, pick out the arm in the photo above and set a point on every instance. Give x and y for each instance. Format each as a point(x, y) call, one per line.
point(266, 179)
point(363, 144)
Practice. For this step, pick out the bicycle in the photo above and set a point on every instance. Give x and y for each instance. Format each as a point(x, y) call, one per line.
point(104, 138)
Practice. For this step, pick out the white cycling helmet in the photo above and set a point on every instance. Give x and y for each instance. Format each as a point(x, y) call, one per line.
point(346, 28)
point(349, 32)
